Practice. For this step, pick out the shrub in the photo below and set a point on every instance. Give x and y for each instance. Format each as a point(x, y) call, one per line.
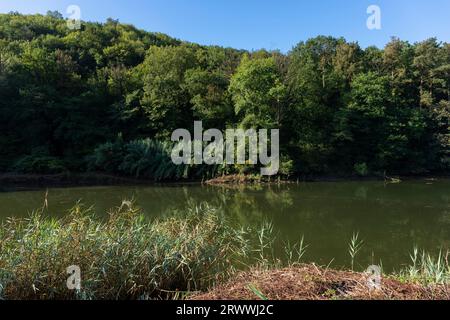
point(39, 164)
point(150, 159)
point(286, 166)
point(107, 156)
point(125, 257)
point(361, 169)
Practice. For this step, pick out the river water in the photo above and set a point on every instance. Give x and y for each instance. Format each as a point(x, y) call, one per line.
point(390, 218)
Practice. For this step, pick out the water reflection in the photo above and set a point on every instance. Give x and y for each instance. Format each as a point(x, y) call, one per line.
point(391, 219)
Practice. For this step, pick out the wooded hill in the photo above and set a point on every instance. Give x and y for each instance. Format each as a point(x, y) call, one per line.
point(70, 97)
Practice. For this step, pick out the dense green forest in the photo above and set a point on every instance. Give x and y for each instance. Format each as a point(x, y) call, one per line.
point(108, 96)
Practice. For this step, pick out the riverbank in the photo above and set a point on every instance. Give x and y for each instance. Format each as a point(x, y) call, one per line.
point(310, 282)
point(30, 181)
point(255, 179)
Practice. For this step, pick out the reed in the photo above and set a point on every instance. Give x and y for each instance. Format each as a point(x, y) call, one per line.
point(124, 257)
point(354, 248)
point(427, 269)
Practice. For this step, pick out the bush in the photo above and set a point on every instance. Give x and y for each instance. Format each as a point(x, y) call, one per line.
point(286, 166)
point(126, 257)
point(361, 169)
point(107, 156)
point(150, 159)
point(39, 164)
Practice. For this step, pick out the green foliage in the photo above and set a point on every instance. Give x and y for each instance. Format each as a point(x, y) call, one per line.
point(427, 269)
point(147, 159)
point(108, 156)
point(210, 99)
point(124, 257)
point(258, 93)
point(286, 166)
point(354, 247)
point(165, 100)
point(361, 169)
point(39, 163)
point(336, 104)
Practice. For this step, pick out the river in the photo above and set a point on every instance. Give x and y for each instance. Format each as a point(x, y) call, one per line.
point(390, 218)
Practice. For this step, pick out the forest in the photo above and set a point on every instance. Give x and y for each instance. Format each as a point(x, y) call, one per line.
point(108, 96)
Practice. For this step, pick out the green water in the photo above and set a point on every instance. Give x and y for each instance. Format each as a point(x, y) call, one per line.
point(391, 219)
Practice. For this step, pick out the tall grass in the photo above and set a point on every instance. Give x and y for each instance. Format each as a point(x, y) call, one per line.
point(295, 252)
point(354, 248)
point(124, 257)
point(427, 269)
point(146, 158)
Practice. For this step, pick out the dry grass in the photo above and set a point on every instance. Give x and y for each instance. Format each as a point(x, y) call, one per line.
point(308, 282)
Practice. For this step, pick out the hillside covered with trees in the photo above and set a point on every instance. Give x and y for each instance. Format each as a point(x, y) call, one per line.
point(107, 98)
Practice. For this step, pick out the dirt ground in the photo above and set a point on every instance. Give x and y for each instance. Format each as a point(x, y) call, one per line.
point(308, 282)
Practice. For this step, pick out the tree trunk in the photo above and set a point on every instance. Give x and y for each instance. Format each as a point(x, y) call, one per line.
point(421, 92)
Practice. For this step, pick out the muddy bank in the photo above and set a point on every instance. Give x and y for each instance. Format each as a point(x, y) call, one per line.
point(250, 179)
point(308, 282)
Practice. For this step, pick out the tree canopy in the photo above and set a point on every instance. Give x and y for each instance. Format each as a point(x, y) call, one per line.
point(340, 108)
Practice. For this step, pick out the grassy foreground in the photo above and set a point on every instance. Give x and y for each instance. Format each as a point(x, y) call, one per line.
point(188, 255)
point(124, 257)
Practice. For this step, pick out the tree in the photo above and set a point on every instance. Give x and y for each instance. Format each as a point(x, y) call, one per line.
point(316, 78)
point(259, 94)
point(210, 100)
point(340, 108)
point(425, 62)
point(54, 14)
point(165, 100)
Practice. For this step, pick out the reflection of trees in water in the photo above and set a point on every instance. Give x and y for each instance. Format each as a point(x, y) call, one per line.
point(390, 218)
point(248, 205)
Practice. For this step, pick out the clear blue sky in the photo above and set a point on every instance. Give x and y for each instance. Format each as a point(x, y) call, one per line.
point(255, 24)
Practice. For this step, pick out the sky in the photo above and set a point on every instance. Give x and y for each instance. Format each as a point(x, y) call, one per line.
point(256, 24)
